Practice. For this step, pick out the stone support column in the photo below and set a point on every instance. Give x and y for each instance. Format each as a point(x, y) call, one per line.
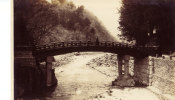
point(151, 70)
point(49, 71)
point(126, 65)
point(126, 79)
point(119, 57)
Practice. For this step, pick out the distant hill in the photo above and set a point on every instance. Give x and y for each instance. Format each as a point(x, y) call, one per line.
point(55, 22)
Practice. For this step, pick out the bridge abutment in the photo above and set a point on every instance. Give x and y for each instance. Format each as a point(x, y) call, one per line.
point(142, 70)
point(27, 75)
point(123, 79)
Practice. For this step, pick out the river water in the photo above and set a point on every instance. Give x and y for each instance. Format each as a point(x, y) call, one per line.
point(77, 81)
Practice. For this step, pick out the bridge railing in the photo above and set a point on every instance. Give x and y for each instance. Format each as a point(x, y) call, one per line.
point(70, 44)
point(79, 43)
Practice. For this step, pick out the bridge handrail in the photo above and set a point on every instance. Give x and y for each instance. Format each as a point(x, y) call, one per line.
point(57, 45)
point(79, 43)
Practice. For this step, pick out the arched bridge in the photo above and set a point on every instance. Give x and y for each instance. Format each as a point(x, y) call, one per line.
point(105, 46)
point(44, 53)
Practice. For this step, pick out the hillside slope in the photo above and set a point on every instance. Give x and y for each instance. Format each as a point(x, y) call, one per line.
point(55, 22)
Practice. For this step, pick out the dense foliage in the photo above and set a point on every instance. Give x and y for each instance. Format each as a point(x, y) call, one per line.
point(149, 22)
point(55, 22)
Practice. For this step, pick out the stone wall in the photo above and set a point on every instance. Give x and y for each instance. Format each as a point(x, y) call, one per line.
point(26, 74)
point(163, 75)
point(141, 70)
point(158, 73)
point(29, 77)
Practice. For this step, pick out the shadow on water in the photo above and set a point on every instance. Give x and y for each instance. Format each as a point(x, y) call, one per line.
point(48, 91)
point(40, 94)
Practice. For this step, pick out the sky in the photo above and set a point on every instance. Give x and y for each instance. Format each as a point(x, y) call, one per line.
point(106, 11)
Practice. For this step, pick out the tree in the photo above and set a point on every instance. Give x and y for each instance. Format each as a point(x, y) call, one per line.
point(42, 20)
point(143, 21)
point(21, 10)
point(80, 10)
point(58, 21)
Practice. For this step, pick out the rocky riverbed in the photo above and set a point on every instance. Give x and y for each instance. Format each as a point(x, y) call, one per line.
point(88, 76)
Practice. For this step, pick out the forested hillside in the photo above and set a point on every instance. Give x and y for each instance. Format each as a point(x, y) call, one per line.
point(55, 22)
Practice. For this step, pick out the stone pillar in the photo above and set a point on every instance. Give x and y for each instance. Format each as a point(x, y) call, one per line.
point(126, 79)
point(126, 66)
point(119, 57)
point(151, 70)
point(142, 70)
point(49, 71)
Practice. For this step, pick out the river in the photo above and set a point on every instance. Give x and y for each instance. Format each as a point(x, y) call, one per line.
point(77, 81)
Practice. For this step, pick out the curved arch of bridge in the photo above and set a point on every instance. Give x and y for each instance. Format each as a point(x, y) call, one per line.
point(41, 51)
point(124, 51)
